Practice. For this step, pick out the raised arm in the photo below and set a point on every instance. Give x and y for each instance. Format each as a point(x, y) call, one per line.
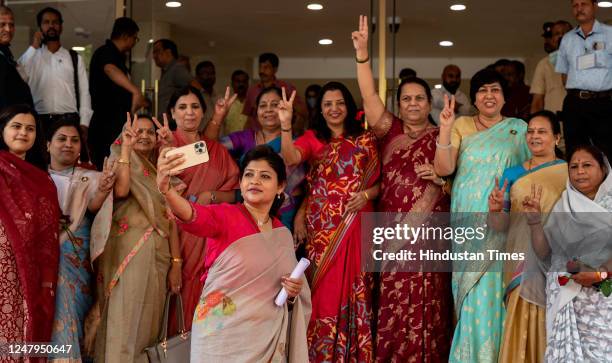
point(445, 160)
point(290, 153)
point(532, 209)
point(372, 104)
point(222, 107)
point(178, 205)
point(105, 185)
point(128, 138)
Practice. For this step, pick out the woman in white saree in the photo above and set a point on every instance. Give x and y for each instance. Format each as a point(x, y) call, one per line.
point(576, 242)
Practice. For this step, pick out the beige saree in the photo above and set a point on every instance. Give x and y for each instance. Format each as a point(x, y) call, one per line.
point(132, 267)
point(236, 319)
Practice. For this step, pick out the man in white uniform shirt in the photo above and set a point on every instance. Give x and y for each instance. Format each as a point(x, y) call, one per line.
point(50, 73)
point(451, 80)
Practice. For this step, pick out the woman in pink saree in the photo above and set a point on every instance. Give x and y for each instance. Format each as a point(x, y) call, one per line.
point(249, 255)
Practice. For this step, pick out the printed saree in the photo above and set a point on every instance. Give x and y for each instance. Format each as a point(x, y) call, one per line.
point(478, 285)
point(414, 309)
point(74, 295)
point(236, 319)
point(340, 326)
point(578, 317)
point(524, 338)
point(29, 252)
point(132, 268)
point(220, 173)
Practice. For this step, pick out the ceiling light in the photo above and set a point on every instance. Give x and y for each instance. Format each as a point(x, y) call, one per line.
point(438, 86)
point(173, 4)
point(78, 49)
point(446, 43)
point(326, 41)
point(458, 7)
point(604, 4)
point(150, 41)
point(314, 6)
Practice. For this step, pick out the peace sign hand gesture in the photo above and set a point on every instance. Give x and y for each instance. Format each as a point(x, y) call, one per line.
point(360, 38)
point(128, 136)
point(285, 110)
point(163, 132)
point(496, 199)
point(531, 205)
point(222, 106)
point(447, 116)
point(108, 177)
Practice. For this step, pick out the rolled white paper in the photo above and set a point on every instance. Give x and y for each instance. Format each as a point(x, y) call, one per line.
point(299, 269)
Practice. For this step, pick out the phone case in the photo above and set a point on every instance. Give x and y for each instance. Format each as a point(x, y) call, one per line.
point(194, 154)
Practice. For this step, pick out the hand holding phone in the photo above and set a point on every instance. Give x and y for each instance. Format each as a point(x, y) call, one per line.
point(194, 154)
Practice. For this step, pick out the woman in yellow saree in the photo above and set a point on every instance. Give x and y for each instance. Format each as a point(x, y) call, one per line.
point(524, 338)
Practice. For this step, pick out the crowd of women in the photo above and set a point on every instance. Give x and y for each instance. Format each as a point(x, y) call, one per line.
point(87, 258)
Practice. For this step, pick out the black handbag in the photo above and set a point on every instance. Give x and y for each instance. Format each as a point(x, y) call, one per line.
point(177, 348)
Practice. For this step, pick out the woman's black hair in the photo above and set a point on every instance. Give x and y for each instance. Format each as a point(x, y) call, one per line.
point(414, 80)
point(271, 89)
point(265, 152)
point(554, 125)
point(597, 154)
point(352, 127)
point(36, 155)
point(487, 76)
point(184, 92)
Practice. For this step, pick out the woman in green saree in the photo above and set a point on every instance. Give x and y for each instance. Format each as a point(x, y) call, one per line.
point(477, 149)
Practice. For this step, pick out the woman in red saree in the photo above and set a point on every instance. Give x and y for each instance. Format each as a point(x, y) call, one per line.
point(29, 232)
point(212, 182)
point(414, 318)
point(343, 180)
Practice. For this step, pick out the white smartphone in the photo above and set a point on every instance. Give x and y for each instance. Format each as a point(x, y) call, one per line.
point(194, 154)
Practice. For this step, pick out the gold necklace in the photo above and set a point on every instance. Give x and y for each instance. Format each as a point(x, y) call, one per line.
point(417, 134)
point(482, 124)
point(259, 223)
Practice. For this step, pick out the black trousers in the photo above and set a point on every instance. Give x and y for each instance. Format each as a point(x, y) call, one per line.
point(103, 131)
point(588, 121)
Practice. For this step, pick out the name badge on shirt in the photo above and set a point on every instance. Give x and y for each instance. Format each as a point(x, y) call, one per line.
point(586, 61)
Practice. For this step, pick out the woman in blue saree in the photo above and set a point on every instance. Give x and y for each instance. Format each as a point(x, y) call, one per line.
point(478, 149)
point(80, 192)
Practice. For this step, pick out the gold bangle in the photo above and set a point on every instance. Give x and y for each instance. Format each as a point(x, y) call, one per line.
point(366, 195)
point(122, 161)
point(362, 60)
point(176, 260)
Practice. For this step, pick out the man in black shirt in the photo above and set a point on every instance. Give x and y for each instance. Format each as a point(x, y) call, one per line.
point(112, 92)
point(13, 89)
